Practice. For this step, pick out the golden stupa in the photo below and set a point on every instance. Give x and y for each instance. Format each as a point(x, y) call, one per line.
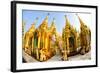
point(44, 42)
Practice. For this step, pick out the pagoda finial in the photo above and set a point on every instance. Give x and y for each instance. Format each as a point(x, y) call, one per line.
point(53, 20)
point(67, 21)
point(46, 19)
point(36, 20)
point(81, 22)
point(53, 23)
point(52, 26)
point(33, 25)
point(45, 22)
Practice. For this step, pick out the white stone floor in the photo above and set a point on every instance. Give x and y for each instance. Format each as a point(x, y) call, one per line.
point(87, 56)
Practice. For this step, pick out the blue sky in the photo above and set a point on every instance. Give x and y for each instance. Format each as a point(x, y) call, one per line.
point(29, 17)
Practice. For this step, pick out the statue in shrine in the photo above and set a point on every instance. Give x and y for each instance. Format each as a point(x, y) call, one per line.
point(42, 55)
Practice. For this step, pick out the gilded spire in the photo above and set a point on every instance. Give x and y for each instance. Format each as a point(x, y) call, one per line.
point(33, 25)
point(46, 20)
point(53, 23)
point(52, 27)
point(44, 24)
point(80, 20)
point(35, 20)
point(67, 22)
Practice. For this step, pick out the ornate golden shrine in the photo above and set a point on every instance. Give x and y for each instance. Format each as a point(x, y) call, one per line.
point(85, 37)
point(69, 37)
point(39, 42)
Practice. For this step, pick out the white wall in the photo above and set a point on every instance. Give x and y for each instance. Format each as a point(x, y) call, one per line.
point(5, 36)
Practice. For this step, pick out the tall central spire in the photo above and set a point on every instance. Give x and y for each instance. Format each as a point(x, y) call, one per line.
point(44, 24)
point(67, 22)
point(46, 20)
